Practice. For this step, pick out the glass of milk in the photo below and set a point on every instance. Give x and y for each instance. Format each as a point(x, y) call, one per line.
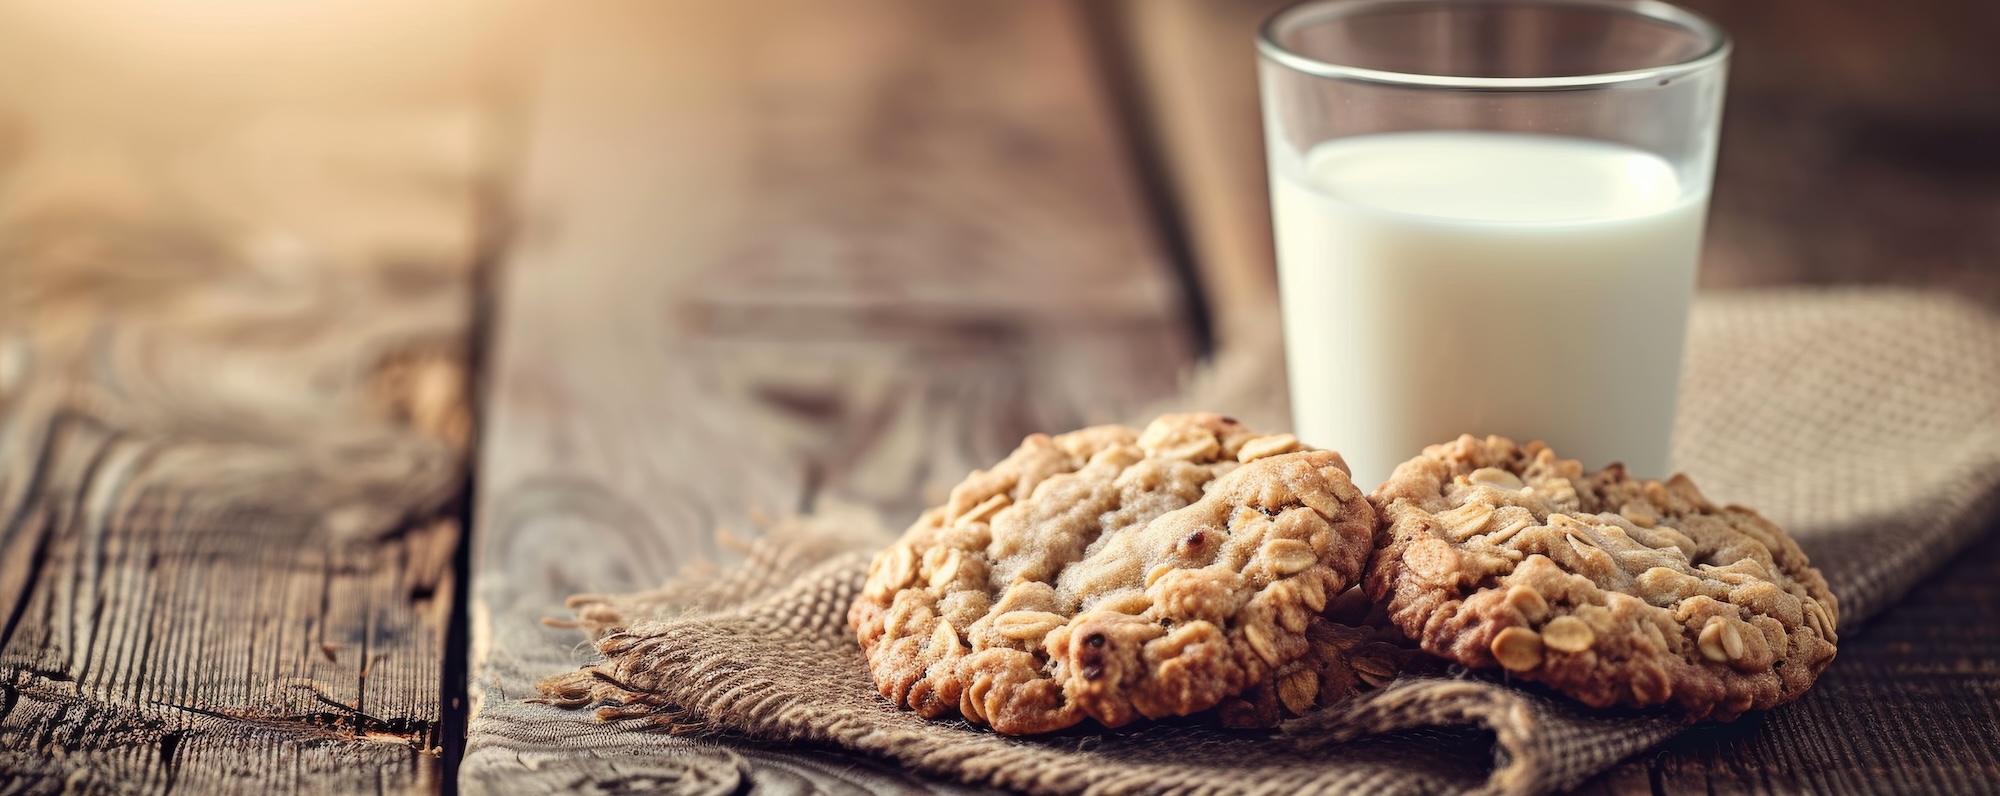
point(1489, 216)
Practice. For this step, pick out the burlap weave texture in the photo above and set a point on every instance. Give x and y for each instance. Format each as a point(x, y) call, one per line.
point(1866, 422)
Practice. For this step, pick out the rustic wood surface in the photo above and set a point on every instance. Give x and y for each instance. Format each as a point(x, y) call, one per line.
point(775, 256)
point(770, 256)
point(233, 321)
point(227, 480)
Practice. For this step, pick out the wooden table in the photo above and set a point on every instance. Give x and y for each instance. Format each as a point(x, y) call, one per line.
point(702, 265)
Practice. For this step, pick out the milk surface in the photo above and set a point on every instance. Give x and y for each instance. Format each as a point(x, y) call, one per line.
point(1440, 283)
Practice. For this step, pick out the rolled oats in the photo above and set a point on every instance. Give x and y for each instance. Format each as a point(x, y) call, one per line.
point(1614, 590)
point(1113, 574)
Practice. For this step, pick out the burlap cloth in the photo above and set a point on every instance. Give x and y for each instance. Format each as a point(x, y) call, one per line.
point(1868, 423)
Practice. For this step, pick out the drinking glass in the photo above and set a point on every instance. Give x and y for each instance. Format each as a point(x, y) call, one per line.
point(1489, 218)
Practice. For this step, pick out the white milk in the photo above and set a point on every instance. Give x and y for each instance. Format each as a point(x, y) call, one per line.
point(1441, 283)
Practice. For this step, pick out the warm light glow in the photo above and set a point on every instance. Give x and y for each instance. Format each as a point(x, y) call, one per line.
point(253, 46)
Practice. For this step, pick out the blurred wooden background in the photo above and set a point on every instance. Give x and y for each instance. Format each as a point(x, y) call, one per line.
point(250, 254)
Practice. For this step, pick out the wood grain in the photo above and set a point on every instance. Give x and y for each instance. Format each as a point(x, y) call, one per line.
point(201, 597)
point(233, 414)
point(778, 255)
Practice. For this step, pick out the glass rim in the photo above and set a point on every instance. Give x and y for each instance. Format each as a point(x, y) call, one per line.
point(1715, 53)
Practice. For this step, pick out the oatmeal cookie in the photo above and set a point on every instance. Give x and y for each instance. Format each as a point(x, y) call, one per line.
point(1111, 574)
point(1613, 590)
point(1342, 660)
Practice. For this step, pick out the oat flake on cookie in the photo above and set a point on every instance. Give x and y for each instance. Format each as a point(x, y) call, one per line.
point(1112, 574)
point(1613, 590)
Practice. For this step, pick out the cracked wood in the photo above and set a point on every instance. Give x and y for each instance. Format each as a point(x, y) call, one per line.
point(233, 420)
point(198, 608)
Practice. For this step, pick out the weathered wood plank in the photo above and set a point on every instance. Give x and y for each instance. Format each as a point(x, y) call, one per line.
point(777, 254)
point(196, 605)
point(233, 415)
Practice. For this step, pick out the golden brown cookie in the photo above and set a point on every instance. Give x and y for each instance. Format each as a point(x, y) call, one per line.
point(1342, 660)
point(1613, 590)
point(1112, 574)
